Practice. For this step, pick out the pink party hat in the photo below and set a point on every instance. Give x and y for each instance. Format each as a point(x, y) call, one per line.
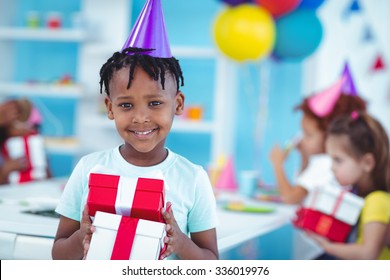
point(323, 103)
point(348, 86)
point(227, 179)
point(149, 31)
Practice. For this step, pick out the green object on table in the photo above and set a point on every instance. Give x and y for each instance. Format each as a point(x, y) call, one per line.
point(24, 203)
point(247, 208)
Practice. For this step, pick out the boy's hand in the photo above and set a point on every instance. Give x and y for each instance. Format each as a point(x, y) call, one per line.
point(87, 229)
point(174, 238)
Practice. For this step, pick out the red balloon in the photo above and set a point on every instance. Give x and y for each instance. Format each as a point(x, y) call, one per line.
point(279, 7)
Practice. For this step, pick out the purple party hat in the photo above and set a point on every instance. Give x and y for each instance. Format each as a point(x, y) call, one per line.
point(149, 31)
point(348, 86)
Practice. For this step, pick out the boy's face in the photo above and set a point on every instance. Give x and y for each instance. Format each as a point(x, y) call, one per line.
point(313, 139)
point(143, 113)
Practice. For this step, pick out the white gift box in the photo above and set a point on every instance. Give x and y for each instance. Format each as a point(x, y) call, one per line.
point(330, 212)
point(147, 243)
point(334, 201)
point(33, 148)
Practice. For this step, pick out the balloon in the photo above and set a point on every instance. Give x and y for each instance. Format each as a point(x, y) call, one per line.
point(310, 4)
point(298, 34)
point(244, 32)
point(279, 7)
point(235, 2)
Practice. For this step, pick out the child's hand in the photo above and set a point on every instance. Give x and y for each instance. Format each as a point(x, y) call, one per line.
point(278, 155)
point(174, 238)
point(322, 241)
point(18, 164)
point(87, 229)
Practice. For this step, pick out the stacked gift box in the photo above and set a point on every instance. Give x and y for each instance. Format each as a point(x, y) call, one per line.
point(31, 147)
point(127, 217)
point(330, 212)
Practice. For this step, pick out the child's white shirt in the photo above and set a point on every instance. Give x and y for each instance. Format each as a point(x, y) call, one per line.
point(190, 190)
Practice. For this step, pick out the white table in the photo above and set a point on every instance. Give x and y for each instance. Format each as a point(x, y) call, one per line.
point(27, 236)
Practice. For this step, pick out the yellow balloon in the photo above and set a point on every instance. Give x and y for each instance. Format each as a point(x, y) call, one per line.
point(244, 32)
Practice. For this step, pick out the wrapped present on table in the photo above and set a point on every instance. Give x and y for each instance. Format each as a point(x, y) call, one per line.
point(330, 212)
point(32, 147)
point(141, 198)
point(125, 238)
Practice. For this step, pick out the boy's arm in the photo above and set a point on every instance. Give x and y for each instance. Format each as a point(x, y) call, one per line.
point(68, 241)
point(72, 239)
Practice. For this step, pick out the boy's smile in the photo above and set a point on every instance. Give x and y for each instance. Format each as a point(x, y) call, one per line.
point(143, 114)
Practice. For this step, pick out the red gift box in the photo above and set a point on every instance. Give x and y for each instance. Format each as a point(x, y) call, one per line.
point(140, 198)
point(32, 147)
point(329, 212)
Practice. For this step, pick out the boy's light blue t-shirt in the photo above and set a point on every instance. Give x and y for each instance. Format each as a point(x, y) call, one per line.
point(190, 190)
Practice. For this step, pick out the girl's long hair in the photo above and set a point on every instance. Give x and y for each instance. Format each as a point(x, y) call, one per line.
point(366, 135)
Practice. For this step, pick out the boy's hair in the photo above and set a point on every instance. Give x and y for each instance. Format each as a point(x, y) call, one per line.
point(346, 104)
point(156, 67)
point(366, 135)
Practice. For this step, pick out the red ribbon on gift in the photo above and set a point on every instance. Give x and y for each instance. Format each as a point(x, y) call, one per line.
point(25, 176)
point(124, 239)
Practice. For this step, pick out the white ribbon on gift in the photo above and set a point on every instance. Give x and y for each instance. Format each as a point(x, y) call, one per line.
point(125, 195)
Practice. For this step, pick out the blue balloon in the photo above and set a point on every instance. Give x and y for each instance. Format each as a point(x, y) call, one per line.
point(298, 34)
point(310, 4)
point(236, 2)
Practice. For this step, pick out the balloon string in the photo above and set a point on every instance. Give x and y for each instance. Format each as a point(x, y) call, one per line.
point(249, 90)
point(262, 111)
point(257, 109)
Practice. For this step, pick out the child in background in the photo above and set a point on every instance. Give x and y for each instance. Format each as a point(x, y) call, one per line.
point(315, 169)
point(359, 148)
point(17, 118)
point(143, 97)
point(316, 166)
